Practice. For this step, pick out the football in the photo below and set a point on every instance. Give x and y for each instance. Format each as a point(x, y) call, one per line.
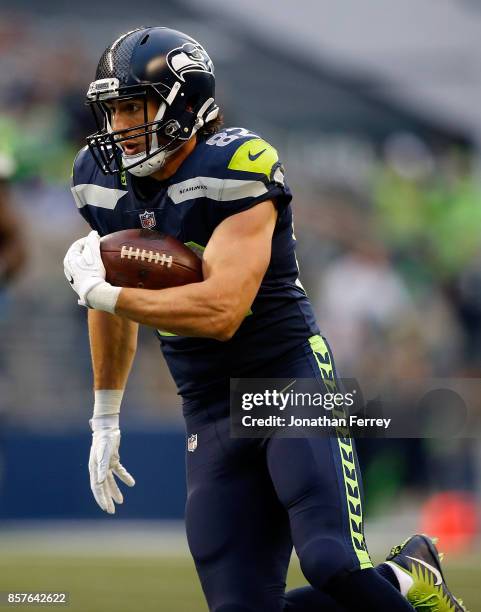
point(147, 259)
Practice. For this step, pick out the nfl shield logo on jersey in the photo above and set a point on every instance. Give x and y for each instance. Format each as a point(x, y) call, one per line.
point(192, 443)
point(147, 219)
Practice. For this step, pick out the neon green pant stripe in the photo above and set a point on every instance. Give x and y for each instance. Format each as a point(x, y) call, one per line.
point(353, 493)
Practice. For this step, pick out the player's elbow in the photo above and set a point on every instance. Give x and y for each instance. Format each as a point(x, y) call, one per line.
point(225, 333)
point(222, 337)
point(224, 328)
point(228, 309)
point(226, 323)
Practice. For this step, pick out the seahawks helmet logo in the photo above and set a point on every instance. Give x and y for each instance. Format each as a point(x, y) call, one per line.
point(191, 57)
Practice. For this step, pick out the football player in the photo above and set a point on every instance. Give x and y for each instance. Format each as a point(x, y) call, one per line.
point(161, 160)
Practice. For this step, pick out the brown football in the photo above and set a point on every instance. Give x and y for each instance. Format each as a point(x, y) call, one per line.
point(147, 259)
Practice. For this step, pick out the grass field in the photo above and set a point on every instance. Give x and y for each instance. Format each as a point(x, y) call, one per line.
point(150, 583)
point(126, 566)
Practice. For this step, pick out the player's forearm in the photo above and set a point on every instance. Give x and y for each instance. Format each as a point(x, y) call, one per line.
point(199, 309)
point(113, 343)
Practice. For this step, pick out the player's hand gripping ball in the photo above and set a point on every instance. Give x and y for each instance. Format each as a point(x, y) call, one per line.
point(83, 266)
point(148, 259)
point(130, 258)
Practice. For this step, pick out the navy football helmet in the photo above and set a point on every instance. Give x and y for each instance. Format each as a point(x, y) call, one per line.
point(156, 62)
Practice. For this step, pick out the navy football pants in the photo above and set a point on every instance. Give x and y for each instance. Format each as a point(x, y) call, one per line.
point(249, 500)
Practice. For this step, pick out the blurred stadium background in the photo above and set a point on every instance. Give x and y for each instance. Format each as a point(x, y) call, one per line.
point(375, 109)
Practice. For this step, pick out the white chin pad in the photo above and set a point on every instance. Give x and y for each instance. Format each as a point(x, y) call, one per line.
point(156, 161)
point(146, 167)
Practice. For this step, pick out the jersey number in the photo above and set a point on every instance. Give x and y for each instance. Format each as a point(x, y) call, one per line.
point(222, 139)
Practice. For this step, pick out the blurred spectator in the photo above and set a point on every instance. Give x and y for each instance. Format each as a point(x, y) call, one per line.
point(12, 259)
point(12, 250)
point(364, 303)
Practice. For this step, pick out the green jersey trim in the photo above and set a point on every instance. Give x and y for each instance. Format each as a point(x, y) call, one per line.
point(324, 362)
point(255, 156)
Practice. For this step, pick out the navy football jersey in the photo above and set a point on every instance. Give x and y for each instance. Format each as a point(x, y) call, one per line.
point(226, 173)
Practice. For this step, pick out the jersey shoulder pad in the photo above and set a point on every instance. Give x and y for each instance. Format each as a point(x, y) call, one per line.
point(237, 153)
point(90, 186)
point(235, 169)
point(84, 169)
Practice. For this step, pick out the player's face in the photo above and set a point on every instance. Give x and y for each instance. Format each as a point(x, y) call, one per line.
point(125, 114)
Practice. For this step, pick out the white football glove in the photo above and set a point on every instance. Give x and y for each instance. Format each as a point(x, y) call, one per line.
point(104, 462)
point(83, 266)
point(85, 271)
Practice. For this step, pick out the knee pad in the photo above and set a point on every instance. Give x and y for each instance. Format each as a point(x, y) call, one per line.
point(324, 558)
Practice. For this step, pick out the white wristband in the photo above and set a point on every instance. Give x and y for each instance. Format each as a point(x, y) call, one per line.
point(103, 297)
point(109, 421)
point(107, 401)
point(106, 409)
